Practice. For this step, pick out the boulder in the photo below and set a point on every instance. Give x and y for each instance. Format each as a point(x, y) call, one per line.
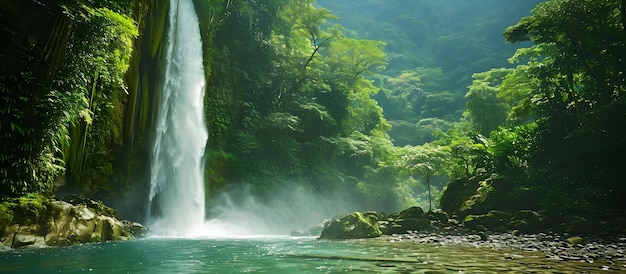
point(85, 224)
point(526, 221)
point(490, 222)
point(403, 226)
point(353, 226)
point(501, 215)
point(47, 222)
point(134, 229)
point(439, 216)
point(412, 212)
point(415, 225)
point(583, 227)
point(21, 240)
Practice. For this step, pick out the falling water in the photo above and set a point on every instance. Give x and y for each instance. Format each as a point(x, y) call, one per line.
point(176, 201)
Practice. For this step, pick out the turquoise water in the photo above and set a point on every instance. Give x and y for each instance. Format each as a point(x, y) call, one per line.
point(278, 255)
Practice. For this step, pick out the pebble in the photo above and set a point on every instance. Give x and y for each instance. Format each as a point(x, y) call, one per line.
point(605, 249)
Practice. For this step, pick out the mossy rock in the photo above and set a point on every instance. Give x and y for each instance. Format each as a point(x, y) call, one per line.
point(501, 215)
point(574, 240)
point(29, 209)
point(439, 216)
point(488, 221)
point(456, 193)
point(414, 212)
point(415, 224)
point(526, 221)
point(98, 206)
point(353, 226)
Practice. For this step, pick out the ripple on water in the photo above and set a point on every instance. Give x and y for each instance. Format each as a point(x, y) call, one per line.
point(282, 255)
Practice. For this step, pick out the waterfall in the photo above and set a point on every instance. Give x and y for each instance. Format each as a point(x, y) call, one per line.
point(176, 199)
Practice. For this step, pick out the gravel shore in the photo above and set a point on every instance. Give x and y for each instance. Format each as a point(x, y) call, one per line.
point(607, 250)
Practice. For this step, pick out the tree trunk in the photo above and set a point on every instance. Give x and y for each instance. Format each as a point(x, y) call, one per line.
point(623, 13)
point(430, 199)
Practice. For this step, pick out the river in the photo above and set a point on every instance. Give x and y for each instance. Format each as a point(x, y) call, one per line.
point(279, 254)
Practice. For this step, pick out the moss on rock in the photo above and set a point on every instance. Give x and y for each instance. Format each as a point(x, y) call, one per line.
point(353, 226)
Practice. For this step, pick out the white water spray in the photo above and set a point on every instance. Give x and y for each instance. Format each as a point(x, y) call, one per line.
point(176, 201)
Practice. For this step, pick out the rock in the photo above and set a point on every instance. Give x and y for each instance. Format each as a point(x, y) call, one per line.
point(526, 221)
point(574, 240)
point(501, 215)
point(412, 212)
point(133, 229)
point(316, 230)
point(353, 226)
point(394, 228)
point(439, 216)
point(488, 221)
point(415, 224)
point(384, 227)
point(85, 224)
point(47, 222)
point(21, 240)
point(483, 236)
point(582, 227)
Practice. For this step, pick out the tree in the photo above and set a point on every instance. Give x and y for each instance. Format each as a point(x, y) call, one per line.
point(484, 108)
point(426, 160)
point(576, 80)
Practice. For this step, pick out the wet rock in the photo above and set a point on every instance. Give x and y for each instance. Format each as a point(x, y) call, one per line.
point(58, 223)
point(526, 221)
point(500, 215)
point(574, 240)
point(411, 224)
point(439, 216)
point(582, 227)
point(488, 221)
point(353, 226)
point(137, 230)
point(412, 212)
point(483, 236)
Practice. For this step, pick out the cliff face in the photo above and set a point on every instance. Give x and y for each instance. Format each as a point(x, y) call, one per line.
point(138, 110)
point(70, 126)
point(70, 120)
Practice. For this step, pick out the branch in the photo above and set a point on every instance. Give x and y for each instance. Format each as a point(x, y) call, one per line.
point(316, 47)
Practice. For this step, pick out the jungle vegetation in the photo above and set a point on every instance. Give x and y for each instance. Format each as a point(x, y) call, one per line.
point(410, 103)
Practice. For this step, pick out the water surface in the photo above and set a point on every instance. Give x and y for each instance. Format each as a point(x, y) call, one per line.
point(278, 255)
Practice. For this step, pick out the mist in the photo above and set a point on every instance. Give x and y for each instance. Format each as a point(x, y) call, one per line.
point(239, 212)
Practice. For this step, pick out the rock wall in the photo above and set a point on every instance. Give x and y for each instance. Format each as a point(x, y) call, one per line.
point(32, 223)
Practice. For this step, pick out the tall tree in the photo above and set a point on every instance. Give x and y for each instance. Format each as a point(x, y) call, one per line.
point(426, 160)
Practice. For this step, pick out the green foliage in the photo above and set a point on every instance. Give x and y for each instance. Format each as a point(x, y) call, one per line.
point(484, 108)
point(349, 58)
point(29, 134)
point(28, 209)
point(6, 216)
point(100, 51)
point(69, 86)
point(427, 160)
point(574, 84)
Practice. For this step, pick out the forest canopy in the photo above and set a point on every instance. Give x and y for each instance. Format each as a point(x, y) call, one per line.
point(411, 103)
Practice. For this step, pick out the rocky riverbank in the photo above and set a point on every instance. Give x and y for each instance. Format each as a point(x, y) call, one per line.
point(36, 221)
point(566, 239)
point(607, 250)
